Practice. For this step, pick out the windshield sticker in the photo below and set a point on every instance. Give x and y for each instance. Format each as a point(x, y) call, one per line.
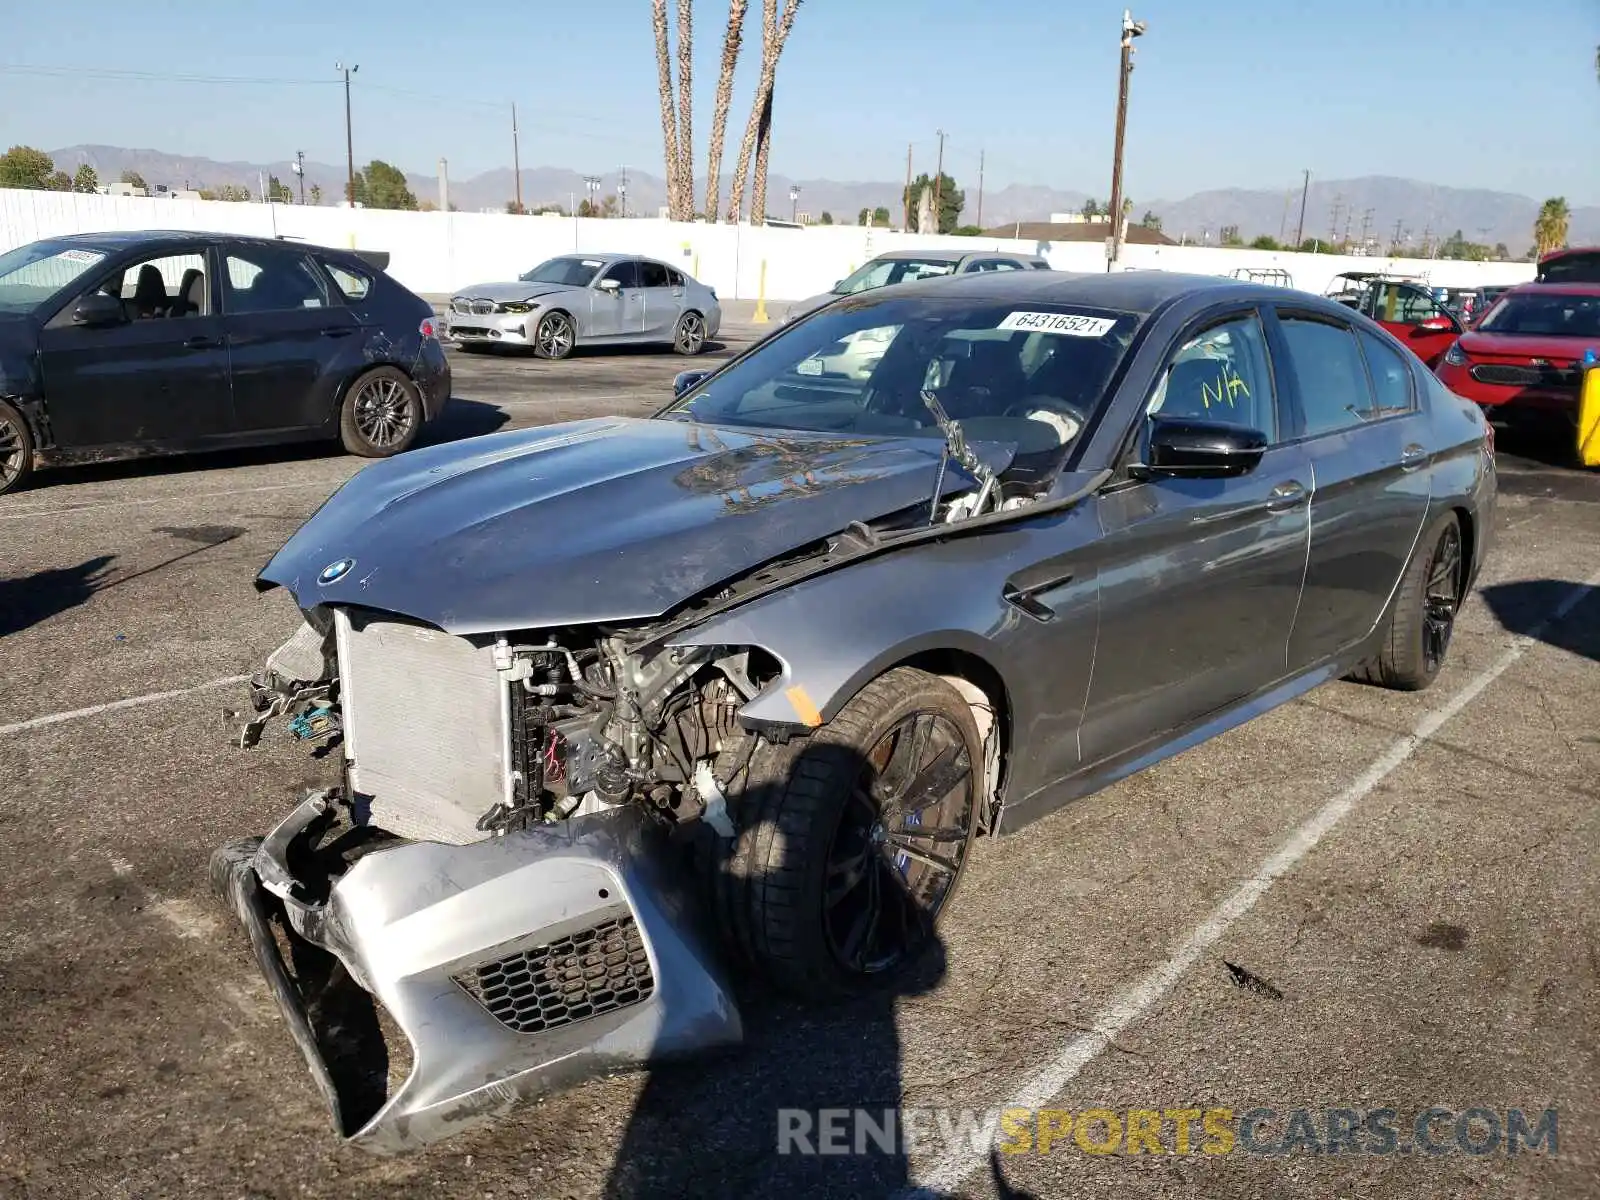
point(1062, 323)
point(88, 257)
point(593, 262)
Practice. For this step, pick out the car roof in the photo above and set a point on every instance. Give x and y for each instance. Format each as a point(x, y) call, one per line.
point(126, 239)
point(950, 256)
point(1123, 291)
point(1553, 289)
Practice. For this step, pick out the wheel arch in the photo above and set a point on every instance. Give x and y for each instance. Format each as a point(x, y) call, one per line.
point(1469, 546)
point(360, 373)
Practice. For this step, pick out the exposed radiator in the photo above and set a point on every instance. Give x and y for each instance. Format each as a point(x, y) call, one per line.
point(424, 726)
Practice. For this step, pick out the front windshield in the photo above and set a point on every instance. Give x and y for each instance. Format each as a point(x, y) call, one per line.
point(884, 271)
point(31, 274)
point(1544, 315)
point(570, 272)
point(1028, 373)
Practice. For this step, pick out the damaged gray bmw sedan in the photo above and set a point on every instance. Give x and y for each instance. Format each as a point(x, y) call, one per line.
point(624, 702)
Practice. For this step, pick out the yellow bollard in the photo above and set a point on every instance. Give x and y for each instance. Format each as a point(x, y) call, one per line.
point(696, 271)
point(352, 241)
point(761, 298)
point(1589, 418)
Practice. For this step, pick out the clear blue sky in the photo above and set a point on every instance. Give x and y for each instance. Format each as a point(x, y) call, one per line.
point(1476, 93)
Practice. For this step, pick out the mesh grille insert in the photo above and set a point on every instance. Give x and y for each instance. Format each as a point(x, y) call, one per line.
point(594, 971)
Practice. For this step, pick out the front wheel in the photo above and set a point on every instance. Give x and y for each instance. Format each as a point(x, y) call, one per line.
point(1424, 615)
point(852, 841)
point(16, 449)
point(554, 336)
point(381, 414)
point(690, 337)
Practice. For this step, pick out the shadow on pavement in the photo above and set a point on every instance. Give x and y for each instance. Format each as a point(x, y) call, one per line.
point(462, 419)
point(29, 599)
point(1522, 606)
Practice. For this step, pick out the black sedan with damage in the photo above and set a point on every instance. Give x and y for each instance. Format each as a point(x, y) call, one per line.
point(118, 345)
point(929, 563)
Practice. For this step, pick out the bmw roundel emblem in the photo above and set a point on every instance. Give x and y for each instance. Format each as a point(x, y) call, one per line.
point(336, 571)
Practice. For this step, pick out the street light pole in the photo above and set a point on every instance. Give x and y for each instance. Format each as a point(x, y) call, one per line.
point(349, 143)
point(794, 204)
point(1130, 30)
point(1300, 229)
point(300, 170)
point(516, 156)
point(938, 178)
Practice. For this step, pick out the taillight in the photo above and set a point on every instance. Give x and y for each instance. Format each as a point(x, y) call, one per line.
point(1455, 356)
point(426, 329)
point(1488, 437)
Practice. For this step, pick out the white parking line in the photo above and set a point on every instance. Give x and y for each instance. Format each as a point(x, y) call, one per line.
point(111, 706)
point(78, 508)
point(957, 1165)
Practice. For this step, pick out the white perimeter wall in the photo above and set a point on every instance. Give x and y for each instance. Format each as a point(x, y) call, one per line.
point(440, 252)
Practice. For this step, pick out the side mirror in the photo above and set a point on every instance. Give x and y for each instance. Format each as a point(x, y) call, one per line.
point(685, 381)
point(610, 285)
point(98, 310)
point(1201, 449)
point(1440, 324)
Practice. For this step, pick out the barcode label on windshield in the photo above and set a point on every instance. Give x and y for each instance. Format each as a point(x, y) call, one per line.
point(1063, 323)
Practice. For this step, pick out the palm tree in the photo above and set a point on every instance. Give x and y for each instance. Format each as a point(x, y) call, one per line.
point(719, 113)
point(1550, 229)
point(774, 32)
point(669, 123)
point(685, 165)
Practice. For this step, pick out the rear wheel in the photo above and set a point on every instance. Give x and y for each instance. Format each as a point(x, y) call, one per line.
point(16, 449)
point(1424, 616)
point(852, 841)
point(554, 336)
point(381, 414)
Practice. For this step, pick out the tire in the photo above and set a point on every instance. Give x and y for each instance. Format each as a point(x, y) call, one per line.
point(16, 450)
point(555, 335)
point(804, 822)
point(1424, 614)
point(690, 336)
point(381, 414)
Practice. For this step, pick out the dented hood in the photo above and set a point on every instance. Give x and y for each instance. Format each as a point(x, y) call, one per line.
point(604, 520)
point(515, 291)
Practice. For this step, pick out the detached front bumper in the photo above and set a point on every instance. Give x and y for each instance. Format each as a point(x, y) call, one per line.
point(506, 329)
point(513, 967)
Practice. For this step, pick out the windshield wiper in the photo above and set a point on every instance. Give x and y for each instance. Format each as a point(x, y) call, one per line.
point(955, 446)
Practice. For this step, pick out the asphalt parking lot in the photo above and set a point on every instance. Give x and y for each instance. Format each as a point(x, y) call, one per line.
point(1363, 900)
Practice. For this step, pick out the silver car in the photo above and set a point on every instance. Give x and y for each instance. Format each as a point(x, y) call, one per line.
point(907, 266)
point(587, 299)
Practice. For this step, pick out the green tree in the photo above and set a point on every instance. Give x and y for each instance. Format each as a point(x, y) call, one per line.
point(864, 216)
point(827, 219)
point(136, 179)
point(234, 193)
point(1550, 228)
point(1230, 236)
point(1150, 221)
point(86, 180)
point(951, 200)
point(1091, 209)
point(279, 192)
point(967, 231)
point(25, 167)
point(386, 187)
point(316, 193)
point(59, 181)
point(880, 216)
point(1265, 243)
point(515, 209)
point(1314, 246)
point(1500, 252)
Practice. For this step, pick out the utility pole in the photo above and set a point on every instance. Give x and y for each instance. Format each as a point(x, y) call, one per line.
point(1305, 191)
point(622, 190)
point(938, 178)
point(516, 155)
point(1333, 220)
point(980, 189)
point(349, 143)
point(444, 186)
point(1366, 224)
point(1394, 245)
point(300, 170)
point(905, 197)
point(1283, 225)
point(591, 184)
point(1130, 30)
point(794, 203)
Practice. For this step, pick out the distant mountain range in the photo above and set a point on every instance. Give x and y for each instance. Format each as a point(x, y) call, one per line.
point(1334, 208)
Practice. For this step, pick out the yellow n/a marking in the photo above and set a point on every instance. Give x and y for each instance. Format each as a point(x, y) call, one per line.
point(803, 708)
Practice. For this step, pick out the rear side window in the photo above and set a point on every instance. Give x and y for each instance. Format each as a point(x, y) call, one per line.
point(654, 275)
point(1332, 379)
point(352, 284)
point(261, 280)
point(1391, 377)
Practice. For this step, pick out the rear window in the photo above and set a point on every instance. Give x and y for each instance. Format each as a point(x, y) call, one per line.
point(1535, 315)
point(1582, 266)
point(352, 284)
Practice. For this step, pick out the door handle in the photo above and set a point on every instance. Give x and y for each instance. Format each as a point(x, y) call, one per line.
point(1413, 456)
point(1286, 496)
point(337, 331)
point(201, 342)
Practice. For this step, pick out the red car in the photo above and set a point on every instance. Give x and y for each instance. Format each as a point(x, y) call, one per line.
point(1523, 359)
point(1404, 306)
point(1579, 264)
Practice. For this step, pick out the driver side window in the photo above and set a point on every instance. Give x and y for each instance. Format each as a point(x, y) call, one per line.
point(625, 273)
point(1221, 374)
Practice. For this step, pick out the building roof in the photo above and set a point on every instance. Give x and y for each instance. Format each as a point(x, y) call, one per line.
point(1078, 231)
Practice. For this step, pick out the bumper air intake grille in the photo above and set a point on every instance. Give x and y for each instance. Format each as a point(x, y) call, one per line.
point(1511, 375)
point(594, 971)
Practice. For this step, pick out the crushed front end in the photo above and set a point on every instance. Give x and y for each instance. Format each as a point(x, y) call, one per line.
point(509, 967)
